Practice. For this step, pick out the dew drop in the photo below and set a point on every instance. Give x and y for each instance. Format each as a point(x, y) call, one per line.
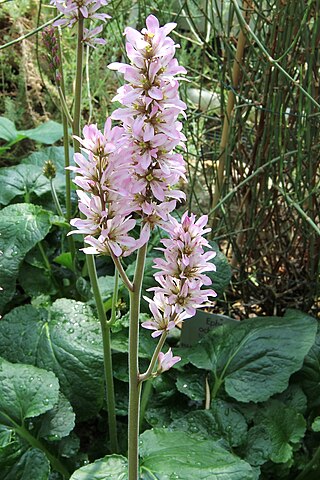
point(46, 401)
point(185, 385)
point(70, 330)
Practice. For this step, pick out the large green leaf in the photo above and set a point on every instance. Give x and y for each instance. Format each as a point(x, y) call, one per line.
point(255, 358)
point(48, 132)
point(65, 339)
point(177, 455)
point(310, 373)
point(33, 464)
point(221, 421)
point(112, 467)
point(22, 180)
point(22, 226)
point(55, 154)
point(8, 130)
point(58, 422)
point(278, 428)
point(26, 391)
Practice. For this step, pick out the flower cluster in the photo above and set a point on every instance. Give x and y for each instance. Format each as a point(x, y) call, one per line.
point(105, 224)
point(151, 106)
point(88, 9)
point(181, 274)
point(50, 42)
point(133, 169)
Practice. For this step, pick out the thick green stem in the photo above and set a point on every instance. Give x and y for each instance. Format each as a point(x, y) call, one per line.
point(36, 443)
point(134, 384)
point(105, 329)
point(107, 356)
point(78, 86)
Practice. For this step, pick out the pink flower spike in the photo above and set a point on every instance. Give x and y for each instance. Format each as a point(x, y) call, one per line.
point(167, 360)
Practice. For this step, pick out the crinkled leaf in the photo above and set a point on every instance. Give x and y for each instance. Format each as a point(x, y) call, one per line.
point(33, 464)
point(192, 384)
point(258, 446)
point(57, 422)
point(255, 358)
point(221, 421)
point(310, 373)
point(36, 281)
point(69, 446)
point(178, 455)
point(22, 226)
point(294, 397)
point(65, 339)
point(26, 391)
point(20, 180)
point(285, 428)
point(111, 467)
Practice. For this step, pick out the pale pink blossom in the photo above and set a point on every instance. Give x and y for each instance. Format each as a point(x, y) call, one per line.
point(166, 361)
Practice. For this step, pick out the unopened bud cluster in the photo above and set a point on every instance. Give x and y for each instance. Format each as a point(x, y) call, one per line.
point(50, 41)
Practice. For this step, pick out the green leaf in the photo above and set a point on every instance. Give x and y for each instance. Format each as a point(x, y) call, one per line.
point(8, 130)
point(21, 180)
point(35, 281)
point(58, 422)
point(285, 428)
point(65, 339)
point(172, 455)
point(48, 132)
point(111, 467)
point(11, 447)
point(222, 276)
point(33, 464)
point(22, 226)
point(55, 154)
point(258, 446)
point(26, 392)
point(255, 358)
point(192, 384)
point(221, 421)
point(316, 424)
point(310, 373)
point(65, 259)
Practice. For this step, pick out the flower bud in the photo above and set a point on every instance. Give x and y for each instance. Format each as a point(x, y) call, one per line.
point(49, 169)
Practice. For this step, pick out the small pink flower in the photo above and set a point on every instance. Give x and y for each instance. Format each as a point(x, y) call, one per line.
point(166, 361)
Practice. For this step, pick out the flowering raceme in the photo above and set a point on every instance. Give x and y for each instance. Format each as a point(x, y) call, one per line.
point(88, 9)
point(131, 171)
